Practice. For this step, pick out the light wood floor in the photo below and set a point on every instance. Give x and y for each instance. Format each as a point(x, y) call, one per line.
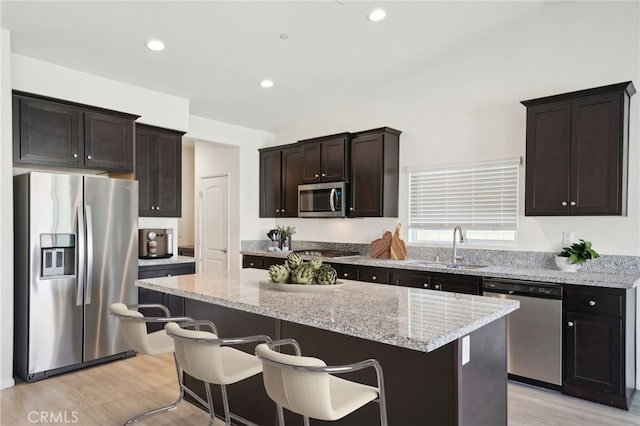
point(109, 394)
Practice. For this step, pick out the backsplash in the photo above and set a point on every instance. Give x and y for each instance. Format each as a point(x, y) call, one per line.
point(609, 264)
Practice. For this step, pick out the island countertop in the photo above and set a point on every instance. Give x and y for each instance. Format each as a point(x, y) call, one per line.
point(417, 319)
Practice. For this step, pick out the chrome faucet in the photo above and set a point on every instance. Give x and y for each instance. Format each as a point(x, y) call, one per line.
point(455, 257)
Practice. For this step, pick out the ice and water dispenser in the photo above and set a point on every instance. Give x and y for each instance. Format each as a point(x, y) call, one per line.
point(58, 255)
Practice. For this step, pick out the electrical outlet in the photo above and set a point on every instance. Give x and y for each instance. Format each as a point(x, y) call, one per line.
point(567, 238)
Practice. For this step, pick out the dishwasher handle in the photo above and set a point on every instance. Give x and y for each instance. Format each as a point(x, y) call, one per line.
point(522, 288)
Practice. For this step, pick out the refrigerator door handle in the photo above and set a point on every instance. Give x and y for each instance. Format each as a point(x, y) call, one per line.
point(87, 299)
point(80, 280)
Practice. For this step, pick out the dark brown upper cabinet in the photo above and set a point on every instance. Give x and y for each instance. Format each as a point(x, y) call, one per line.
point(325, 159)
point(577, 149)
point(53, 132)
point(159, 171)
point(374, 173)
point(280, 175)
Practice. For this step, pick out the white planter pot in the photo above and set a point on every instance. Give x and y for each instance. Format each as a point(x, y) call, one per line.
point(564, 265)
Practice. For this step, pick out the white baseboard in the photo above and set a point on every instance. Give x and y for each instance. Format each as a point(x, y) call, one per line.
point(7, 383)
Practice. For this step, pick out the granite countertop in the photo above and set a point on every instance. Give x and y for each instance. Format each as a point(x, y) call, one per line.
point(418, 319)
point(532, 274)
point(168, 261)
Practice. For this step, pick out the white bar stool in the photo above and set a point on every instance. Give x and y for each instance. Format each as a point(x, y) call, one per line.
point(307, 386)
point(133, 326)
point(204, 356)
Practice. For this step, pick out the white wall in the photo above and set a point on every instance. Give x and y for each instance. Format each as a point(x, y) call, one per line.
point(248, 140)
point(6, 215)
point(43, 78)
point(185, 223)
point(465, 107)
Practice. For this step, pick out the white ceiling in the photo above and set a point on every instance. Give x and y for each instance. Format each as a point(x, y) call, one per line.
point(218, 51)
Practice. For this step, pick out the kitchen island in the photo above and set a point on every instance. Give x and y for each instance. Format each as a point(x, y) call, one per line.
point(443, 354)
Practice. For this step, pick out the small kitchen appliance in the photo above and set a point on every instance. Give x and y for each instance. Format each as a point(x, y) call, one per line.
point(322, 200)
point(155, 243)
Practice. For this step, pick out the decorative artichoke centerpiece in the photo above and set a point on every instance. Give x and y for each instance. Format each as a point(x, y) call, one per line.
point(297, 271)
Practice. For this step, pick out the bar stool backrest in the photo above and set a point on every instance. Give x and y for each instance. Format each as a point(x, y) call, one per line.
point(133, 331)
point(299, 391)
point(199, 359)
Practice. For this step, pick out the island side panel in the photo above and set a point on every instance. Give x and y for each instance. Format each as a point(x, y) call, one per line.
point(421, 387)
point(248, 397)
point(482, 382)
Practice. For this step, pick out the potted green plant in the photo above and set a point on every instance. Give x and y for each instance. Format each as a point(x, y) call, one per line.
point(571, 258)
point(285, 236)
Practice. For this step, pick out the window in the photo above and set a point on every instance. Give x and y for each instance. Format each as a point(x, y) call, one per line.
point(482, 198)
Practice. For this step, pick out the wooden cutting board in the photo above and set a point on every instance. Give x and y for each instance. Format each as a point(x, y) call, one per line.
point(379, 248)
point(398, 249)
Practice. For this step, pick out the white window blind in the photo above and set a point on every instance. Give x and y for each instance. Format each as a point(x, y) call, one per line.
point(481, 196)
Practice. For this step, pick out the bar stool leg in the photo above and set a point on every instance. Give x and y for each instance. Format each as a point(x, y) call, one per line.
point(306, 420)
point(225, 401)
point(280, 415)
point(212, 415)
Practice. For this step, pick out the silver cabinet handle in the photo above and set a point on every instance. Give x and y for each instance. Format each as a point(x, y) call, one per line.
point(317, 175)
point(437, 287)
point(351, 208)
point(373, 277)
point(169, 275)
point(573, 203)
point(157, 207)
point(277, 210)
point(346, 274)
point(425, 285)
point(75, 155)
point(592, 303)
point(153, 208)
point(564, 203)
point(324, 174)
point(282, 210)
point(88, 157)
point(570, 324)
point(251, 264)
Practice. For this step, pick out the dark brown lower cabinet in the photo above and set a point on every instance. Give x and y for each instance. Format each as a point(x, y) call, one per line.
point(146, 296)
point(456, 283)
point(414, 279)
point(347, 272)
point(599, 344)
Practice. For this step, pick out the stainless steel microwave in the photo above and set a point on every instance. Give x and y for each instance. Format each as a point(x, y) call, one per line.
point(322, 200)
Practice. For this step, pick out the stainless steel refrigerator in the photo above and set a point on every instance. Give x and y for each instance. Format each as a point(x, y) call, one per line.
point(76, 242)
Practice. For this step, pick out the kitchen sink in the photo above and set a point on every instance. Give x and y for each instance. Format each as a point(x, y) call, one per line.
point(446, 265)
point(457, 266)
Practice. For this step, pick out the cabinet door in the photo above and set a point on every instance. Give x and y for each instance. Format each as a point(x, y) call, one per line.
point(169, 174)
point(374, 275)
point(366, 176)
point(48, 133)
point(311, 154)
point(270, 188)
point(597, 160)
point(108, 142)
point(252, 262)
point(334, 160)
point(346, 272)
point(548, 160)
point(593, 354)
point(291, 178)
point(456, 284)
point(144, 172)
point(411, 279)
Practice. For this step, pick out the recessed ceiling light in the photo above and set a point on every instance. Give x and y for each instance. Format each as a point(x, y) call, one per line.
point(155, 45)
point(377, 15)
point(266, 83)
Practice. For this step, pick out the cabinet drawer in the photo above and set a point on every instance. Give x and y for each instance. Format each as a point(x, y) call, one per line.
point(374, 275)
point(252, 262)
point(156, 271)
point(594, 302)
point(268, 261)
point(347, 272)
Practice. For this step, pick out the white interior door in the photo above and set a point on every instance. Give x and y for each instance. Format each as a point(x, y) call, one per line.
point(214, 224)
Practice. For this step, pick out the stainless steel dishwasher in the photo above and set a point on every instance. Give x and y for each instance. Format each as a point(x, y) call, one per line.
point(534, 331)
